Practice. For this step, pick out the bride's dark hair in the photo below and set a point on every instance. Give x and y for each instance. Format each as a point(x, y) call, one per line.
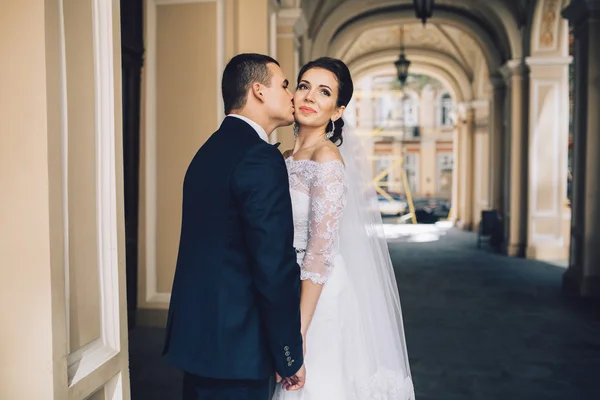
point(345, 88)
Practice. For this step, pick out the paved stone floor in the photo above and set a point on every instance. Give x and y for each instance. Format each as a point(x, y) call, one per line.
point(479, 326)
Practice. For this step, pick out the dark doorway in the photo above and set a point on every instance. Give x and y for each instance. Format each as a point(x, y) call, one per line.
point(132, 53)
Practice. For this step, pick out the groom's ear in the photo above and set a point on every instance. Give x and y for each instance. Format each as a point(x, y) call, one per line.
point(256, 90)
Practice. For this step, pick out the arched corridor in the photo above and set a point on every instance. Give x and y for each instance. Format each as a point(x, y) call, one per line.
point(105, 102)
point(479, 326)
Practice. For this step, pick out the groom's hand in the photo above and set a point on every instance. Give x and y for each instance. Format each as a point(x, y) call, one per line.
point(297, 381)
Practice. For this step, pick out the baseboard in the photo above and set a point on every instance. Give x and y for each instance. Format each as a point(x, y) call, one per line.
point(151, 317)
point(583, 287)
point(590, 287)
point(464, 225)
point(547, 252)
point(515, 250)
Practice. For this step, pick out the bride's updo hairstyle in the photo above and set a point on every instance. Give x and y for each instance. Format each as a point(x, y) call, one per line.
point(345, 88)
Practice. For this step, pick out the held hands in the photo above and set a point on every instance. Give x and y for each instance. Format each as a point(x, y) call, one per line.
point(294, 382)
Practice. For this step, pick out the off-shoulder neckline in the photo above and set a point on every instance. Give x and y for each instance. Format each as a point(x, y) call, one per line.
point(291, 158)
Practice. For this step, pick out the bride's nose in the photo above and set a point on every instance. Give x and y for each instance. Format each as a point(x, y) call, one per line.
point(309, 96)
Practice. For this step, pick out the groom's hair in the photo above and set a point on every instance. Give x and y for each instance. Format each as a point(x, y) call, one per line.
point(239, 75)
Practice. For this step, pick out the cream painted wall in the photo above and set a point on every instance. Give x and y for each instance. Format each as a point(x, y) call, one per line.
point(31, 327)
point(41, 173)
point(181, 80)
point(181, 110)
point(286, 55)
point(186, 114)
point(251, 25)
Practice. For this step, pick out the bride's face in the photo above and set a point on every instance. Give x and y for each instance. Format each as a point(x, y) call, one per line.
point(315, 100)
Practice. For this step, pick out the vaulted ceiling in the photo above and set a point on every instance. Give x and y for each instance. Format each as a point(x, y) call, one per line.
point(464, 42)
point(438, 38)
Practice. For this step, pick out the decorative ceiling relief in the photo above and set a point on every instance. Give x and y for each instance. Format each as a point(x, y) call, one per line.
point(427, 36)
point(549, 26)
point(442, 39)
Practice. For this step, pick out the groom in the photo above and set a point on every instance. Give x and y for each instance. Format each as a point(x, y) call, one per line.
point(234, 318)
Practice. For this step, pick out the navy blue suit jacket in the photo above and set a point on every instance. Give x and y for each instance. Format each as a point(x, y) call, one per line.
point(235, 302)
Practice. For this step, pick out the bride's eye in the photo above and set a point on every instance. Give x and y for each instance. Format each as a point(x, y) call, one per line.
point(326, 92)
point(302, 86)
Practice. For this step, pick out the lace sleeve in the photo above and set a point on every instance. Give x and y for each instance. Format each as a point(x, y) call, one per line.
point(327, 200)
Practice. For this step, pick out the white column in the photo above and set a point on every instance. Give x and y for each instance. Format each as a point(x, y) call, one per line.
point(456, 174)
point(583, 275)
point(290, 25)
point(469, 173)
point(548, 212)
point(481, 160)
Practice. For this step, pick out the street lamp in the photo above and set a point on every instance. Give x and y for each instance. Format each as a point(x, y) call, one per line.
point(402, 63)
point(423, 9)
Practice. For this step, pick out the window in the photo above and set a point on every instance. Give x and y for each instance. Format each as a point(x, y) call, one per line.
point(446, 105)
point(411, 165)
point(445, 165)
point(409, 106)
point(382, 163)
point(381, 111)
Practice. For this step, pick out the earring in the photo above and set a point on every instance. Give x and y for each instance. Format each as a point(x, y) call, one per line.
point(296, 130)
point(329, 135)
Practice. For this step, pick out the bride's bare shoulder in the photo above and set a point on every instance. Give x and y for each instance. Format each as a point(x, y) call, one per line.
point(287, 153)
point(326, 153)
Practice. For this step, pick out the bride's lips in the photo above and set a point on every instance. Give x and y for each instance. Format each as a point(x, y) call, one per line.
point(308, 110)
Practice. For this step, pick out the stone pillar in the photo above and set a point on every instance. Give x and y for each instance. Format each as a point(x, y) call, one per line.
point(481, 160)
point(496, 128)
point(548, 212)
point(456, 174)
point(583, 275)
point(515, 74)
point(290, 25)
point(467, 132)
point(249, 26)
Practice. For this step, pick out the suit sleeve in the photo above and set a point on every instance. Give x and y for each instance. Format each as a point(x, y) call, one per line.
point(261, 186)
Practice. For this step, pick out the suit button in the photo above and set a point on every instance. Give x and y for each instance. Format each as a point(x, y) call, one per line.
point(289, 358)
point(289, 364)
point(287, 353)
point(286, 348)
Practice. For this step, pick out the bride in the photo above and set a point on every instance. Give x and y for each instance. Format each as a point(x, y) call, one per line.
point(350, 308)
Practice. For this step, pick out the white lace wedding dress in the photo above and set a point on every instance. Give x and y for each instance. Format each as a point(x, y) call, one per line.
point(339, 363)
